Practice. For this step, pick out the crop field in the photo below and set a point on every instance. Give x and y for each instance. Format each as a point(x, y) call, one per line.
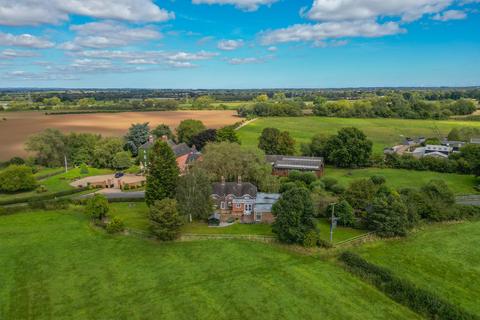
point(383, 132)
point(444, 259)
point(400, 178)
point(56, 266)
point(18, 126)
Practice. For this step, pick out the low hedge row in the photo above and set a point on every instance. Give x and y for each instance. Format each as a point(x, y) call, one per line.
point(48, 175)
point(403, 291)
point(43, 197)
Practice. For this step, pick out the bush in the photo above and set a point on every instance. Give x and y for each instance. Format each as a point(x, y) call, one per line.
point(311, 239)
point(115, 225)
point(97, 207)
point(344, 212)
point(329, 183)
point(83, 168)
point(404, 292)
point(43, 197)
point(338, 189)
point(41, 189)
point(17, 178)
point(165, 222)
point(54, 204)
point(378, 180)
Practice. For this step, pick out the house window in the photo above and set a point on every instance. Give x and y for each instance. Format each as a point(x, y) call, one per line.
point(238, 205)
point(258, 216)
point(222, 205)
point(248, 207)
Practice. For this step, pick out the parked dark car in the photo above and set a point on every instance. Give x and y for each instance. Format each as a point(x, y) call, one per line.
point(119, 175)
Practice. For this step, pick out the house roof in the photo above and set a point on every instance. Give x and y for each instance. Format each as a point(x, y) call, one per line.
point(265, 201)
point(294, 162)
point(235, 188)
point(147, 145)
point(181, 149)
point(475, 140)
point(439, 148)
point(436, 154)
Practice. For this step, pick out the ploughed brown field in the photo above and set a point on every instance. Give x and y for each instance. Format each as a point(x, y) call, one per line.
point(18, 126)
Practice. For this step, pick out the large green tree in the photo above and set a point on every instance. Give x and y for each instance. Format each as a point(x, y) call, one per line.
point(163, 130)
point(230, 160)
point(194, 192)
point(294, 216)
point(165, 222)
point(105, 151)
point(81, 147)
point(97, 207)
point(162, 174)
point(227, 134)
point(136, 136)
point(201, 139)
point(17, 178)
point(49, 147)
point(388, 216)
point(122, 160)
point(273, 141)
point(349, 148)
point(188, 129)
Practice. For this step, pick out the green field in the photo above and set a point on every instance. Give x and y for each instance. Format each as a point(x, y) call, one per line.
point(56, 183)
point(444, 259)
point(135, 216)
point(399, 178)
point(383, 132)
point(55, 266)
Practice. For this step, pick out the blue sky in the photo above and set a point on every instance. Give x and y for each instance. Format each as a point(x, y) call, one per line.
point(239, 43)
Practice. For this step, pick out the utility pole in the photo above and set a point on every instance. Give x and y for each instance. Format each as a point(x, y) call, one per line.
point(66, 163)
point(332, 222)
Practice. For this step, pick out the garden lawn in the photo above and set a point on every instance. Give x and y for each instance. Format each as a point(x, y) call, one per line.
point(56, 183)
point(339, 233)
point(444, 259)
point(383, 132)
point(400, 178)
point(55, 266)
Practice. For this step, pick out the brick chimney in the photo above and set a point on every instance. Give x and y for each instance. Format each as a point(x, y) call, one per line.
point(239, 180)
point(223, 180)
point(150, 139)
point(165, 138)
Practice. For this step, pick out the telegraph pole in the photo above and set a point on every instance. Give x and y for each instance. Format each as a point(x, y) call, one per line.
point(332, 221)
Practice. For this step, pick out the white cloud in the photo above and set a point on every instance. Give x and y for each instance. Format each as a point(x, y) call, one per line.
point(11, 54)
point(330, 30)
point(272, 49)
point(35, 12)
point(108, 34)
point(229, 45)
point(408, 10)
point(246, 5)
point(450, 15)
point(248, 60)
point(24, 40)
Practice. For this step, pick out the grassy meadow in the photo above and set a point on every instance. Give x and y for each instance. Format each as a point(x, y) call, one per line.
point(56, 266)
point(383, 132)
point(443, 258)
point(400, 178)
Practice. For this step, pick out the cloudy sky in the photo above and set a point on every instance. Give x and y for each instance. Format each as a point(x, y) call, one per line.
point(239, 43)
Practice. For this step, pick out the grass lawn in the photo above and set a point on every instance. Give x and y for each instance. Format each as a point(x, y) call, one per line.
point(236, 229)
point(54, 266)
point(444, 259)
point(383, 132)
point(339, 234)
point(399, 178)
point(56, 183)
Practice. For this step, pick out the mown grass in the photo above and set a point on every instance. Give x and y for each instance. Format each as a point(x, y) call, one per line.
point(56, 183)
point(339, 233)
point(444, 259)
point(399, 178)
point(383, 132)
point(55, 266)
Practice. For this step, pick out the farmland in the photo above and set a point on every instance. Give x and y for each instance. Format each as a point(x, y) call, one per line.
point(80, 272)
point(400, 178)
point(383, 132)
point(15, 130)
point(443, 258)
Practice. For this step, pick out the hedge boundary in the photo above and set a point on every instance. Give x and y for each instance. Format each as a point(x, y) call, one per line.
point(403, 291)
point(43, 197)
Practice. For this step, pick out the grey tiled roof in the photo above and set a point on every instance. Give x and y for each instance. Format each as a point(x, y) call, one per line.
point(237, 189)
point(181, 149)
point(294, 162)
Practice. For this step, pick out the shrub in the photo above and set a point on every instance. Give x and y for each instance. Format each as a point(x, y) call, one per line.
point(41, 189)
point(97, 207)
point(42, 197)
point(378, 180)
point(329, 182)
point(311, 239)
point(54, 204)
point(83, 168)
point(17, 178)
point(115, 225)
point(403, 291)
point(344, 213)
point(338, 189)
point(165, 222)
